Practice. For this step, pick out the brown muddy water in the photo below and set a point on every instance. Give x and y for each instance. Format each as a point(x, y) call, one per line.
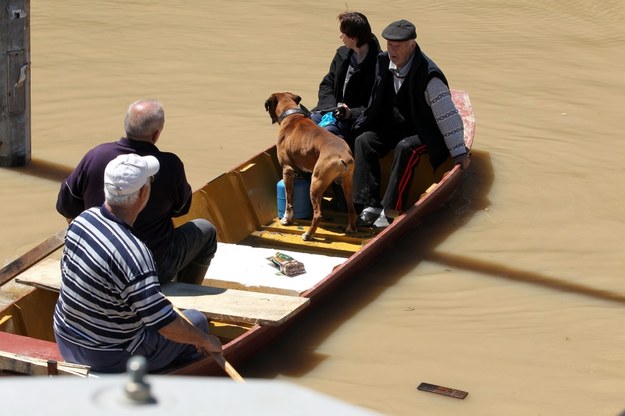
point(513, 292)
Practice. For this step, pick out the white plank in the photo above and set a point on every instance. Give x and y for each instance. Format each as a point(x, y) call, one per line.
point(225, 305)
point(247, 268)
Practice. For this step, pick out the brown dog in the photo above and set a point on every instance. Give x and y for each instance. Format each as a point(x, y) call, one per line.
point(304, 146)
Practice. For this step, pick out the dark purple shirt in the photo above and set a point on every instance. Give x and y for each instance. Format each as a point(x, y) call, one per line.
point(170, 196)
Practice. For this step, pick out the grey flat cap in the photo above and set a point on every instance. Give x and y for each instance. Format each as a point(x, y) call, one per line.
point(399, 31)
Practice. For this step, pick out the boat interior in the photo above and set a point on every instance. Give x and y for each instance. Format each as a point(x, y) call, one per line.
point(242, 204)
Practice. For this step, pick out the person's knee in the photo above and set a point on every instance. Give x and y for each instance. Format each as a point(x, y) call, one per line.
point(403, 146)
point(408, 144)
point(362, 141)
point(198, 319)
point(209, 238)
point(208, 230)
point(336, 130)
point(205, 227)
point(316, 117)
point(364, 137)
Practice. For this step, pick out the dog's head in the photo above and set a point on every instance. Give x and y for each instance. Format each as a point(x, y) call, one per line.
point(279, 102)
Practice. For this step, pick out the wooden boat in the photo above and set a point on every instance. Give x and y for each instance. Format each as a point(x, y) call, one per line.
point(248, 302)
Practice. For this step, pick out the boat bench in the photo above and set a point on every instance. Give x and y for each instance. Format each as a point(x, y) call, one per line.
point(25, 355)
point(219, 304)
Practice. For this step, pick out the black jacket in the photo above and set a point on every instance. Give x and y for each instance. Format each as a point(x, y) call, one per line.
point(422, 71)
point(359, 87)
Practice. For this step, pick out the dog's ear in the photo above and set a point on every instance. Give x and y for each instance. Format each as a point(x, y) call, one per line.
point(270, 107)
point(295, 98)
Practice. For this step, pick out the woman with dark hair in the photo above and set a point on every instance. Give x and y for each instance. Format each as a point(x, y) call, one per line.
point(344, 92)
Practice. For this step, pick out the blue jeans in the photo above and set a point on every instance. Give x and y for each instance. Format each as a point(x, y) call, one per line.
point(159, 351)
point(341, 128)
point(194, 244)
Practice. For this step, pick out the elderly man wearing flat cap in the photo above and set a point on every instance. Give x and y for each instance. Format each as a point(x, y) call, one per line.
point(410, 112)
point(111, 306)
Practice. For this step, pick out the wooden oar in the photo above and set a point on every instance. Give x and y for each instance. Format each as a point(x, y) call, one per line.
point(31, 257)
point(219, 358)
point(228, 368)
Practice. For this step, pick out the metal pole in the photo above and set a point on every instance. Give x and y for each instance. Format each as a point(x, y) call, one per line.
point(14, 82)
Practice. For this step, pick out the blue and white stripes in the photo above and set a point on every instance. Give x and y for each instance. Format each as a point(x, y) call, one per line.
point(110, 290)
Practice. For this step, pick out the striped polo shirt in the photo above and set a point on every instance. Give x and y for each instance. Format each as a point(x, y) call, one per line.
point(109, 291)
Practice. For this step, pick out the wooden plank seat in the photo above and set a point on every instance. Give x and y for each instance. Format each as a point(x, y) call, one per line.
point(225, 305)
point(25, 355)
point(231, 305)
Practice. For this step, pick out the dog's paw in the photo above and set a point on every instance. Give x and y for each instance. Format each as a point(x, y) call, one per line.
point(285, 221)
point(307, 237)
point(351, 230)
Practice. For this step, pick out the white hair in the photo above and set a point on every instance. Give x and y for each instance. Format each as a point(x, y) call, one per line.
point(143, 118)
point(120, 200)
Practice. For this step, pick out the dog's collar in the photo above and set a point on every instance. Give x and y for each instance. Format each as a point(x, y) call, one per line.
point(293, 111)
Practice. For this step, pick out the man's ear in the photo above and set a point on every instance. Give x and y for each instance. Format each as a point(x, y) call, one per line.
point(144, 191)
point(155, 136)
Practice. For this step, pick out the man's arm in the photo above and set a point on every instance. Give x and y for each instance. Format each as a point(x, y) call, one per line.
point(448, 120)
point(182, 192)
point(183, 332)
point(68, 204)
point(71, 200)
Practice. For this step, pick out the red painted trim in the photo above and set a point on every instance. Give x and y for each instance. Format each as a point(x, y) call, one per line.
point(413, 161)
point(31, 347)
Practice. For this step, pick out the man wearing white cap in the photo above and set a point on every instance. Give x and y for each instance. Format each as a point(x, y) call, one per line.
point(410, 112)
point(110, 306)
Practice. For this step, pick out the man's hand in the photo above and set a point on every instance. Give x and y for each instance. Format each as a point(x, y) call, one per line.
point(342, 112)
point(183, 331)
point(462, 160)
point(211, 345)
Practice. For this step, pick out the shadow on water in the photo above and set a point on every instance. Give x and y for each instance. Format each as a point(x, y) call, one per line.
point(44, 169)
point(502, 271)
point(294, 354)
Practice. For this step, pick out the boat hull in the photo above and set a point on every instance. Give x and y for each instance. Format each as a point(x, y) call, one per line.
point(247, 218)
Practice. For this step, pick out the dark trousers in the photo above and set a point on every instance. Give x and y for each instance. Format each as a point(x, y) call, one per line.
point(193, 247)
point(157, 350)
point(369, 148)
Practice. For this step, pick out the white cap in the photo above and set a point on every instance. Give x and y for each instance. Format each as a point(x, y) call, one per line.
point(126, 174)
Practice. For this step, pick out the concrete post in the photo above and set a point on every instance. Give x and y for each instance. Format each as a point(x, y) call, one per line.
point(14, 82)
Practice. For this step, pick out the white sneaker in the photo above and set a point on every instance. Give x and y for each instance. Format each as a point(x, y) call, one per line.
point(381, 221)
